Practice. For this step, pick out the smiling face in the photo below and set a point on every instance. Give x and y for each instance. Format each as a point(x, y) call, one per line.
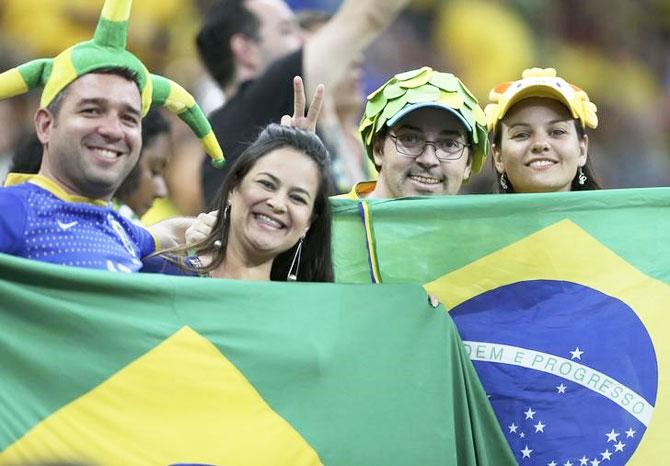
point(540, 149)
point(425, 175)
point(272, 206)
point(95, 138)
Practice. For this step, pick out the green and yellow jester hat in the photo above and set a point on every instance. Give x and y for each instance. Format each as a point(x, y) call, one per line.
point(107, 50)
point(540, 82)
point(422, 88)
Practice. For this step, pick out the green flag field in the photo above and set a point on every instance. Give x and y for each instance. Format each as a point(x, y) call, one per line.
point(114, 369)
point(562, 301)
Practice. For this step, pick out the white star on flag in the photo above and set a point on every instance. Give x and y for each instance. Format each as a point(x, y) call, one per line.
point(630, 433)
point(526, 452)
point(619, 446)
point(606, 455)
point(522, 435)
point(553, 463)
point(561, 388)
point(512, 428)
point(568, 463)
point(539, 427)
point(529, 413)
point(576, 354)
point(612, 436)
point(595, 462)
point(583, 461)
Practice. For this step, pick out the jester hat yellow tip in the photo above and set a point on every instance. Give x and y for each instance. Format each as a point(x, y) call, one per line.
point(107, 50)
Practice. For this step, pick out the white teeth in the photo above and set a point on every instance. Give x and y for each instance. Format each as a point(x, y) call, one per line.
point(269, 221)
point(107, 154)
point(424, 179)
point(540, 163)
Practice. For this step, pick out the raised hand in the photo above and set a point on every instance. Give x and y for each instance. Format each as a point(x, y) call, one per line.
point(299, 120)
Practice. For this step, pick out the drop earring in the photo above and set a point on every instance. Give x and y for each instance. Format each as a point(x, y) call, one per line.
point(292, 277)
point(503, 181)
point(226, 212)
point(581, 176)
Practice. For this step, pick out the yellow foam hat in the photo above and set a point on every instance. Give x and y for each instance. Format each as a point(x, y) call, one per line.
point(540, 82)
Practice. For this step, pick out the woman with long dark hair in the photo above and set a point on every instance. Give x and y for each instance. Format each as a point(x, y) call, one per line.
point(273, 218)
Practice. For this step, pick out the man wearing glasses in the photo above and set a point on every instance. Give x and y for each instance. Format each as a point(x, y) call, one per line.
point(425, 133)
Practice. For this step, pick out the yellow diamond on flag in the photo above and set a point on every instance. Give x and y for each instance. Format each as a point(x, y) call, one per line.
point(182, 402)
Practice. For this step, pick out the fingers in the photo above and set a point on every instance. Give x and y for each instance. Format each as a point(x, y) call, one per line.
point(432, 299)
point(298, 98)
point(209, 218)
point(286, 120)
point(194, 235)
point(298, 120)
point(315, 107)
point(201, 228)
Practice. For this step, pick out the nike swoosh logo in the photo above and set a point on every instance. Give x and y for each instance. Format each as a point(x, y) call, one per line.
point(66, 226)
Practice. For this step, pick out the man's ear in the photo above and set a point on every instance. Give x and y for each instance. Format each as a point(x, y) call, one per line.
point(467, 171)
point(244, 50)
point(497, 158)
point(378, 152)
point(378, 156)
point(44, 121)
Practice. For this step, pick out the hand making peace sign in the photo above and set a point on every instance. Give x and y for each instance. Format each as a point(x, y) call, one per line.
point(299, 120)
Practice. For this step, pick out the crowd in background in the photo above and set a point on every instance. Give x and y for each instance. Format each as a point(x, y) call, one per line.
point(423, 129)
point(616, 50)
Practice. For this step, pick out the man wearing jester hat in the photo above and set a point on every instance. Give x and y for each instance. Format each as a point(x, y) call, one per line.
point(89, 123)
point(425, 133)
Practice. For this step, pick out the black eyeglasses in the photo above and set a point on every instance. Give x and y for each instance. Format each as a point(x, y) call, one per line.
point(413, 145)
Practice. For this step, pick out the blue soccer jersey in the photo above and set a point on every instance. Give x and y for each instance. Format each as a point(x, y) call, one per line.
point(40, 221)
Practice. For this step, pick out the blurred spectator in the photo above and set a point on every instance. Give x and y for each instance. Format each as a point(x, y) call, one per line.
point(8, 136)
point(28, 155)
point(145, 182)
point(240, 38)
point(15, 115)
point(239, 59)
point(340, 116)
point(621, 57)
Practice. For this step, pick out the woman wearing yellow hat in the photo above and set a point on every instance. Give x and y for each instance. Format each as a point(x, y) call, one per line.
point(539, 125)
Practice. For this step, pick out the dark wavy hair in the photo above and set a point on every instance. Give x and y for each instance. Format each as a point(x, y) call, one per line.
point(590, 184)
point(223, 20)
point(316, 263)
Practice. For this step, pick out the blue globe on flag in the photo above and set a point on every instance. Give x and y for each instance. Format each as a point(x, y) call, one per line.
point(570, 372)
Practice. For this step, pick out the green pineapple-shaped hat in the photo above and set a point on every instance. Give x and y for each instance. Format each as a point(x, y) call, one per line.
point(415, 89)
point(107, 50)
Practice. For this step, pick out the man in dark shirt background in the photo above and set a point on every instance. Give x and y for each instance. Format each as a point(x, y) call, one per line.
point(254, 48)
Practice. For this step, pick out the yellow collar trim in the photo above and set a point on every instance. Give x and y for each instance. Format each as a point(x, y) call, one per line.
point(51, 186)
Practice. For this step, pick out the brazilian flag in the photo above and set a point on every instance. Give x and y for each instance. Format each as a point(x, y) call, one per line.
point(115, 369)
point(561, 300)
